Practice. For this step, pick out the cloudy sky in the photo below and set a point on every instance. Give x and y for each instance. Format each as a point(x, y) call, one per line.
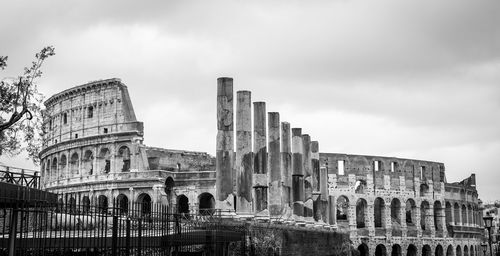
point(411, 79)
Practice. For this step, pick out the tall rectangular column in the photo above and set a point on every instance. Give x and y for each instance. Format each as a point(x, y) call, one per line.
point(306, 161)
point(244, 154)
point(286, 164)
point(260, 179)
point(323, 188)
point(224, 144)
point(274, 165)
point(297, 173)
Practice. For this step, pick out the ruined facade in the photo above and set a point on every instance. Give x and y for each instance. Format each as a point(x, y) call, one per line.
point(93, 154)
point(265, 169)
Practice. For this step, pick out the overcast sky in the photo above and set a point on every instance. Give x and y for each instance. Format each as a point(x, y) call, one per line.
point(410, 79)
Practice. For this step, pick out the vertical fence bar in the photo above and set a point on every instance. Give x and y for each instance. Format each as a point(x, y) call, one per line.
point(139, 236)
point(12, 233)
point(114, 238)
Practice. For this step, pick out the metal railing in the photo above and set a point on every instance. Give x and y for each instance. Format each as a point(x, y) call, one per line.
point(19, 176)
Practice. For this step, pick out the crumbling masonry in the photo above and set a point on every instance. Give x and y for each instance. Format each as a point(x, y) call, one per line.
point(267, 170)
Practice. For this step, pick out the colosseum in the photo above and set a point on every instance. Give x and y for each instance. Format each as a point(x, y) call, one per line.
point(93, 154)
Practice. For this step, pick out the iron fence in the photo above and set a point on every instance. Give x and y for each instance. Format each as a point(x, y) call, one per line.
point(138, 229)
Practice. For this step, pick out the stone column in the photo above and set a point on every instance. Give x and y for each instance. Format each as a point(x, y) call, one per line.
point(297, 173)
point(402, 214)
point(244, 154)
point(323, 187)
point(260, 179)
point(274, 165)
point(224, 145)
point(318, 209)
point(286, 164)
point(332, 210)
point(308, 189)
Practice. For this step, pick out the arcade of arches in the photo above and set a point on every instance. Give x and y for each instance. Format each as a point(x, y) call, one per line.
point(427, 249)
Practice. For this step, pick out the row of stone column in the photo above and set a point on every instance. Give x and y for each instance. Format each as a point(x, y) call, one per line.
point(278, 178)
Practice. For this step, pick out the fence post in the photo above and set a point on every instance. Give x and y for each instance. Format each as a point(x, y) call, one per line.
point(114, 238)
point(139, 236)
point(127, 239)
point(13, 232)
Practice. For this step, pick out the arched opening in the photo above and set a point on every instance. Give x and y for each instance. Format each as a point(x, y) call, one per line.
point(424, 189)
point(359, 187)
point(169, 186)
point(458, 251)
point(470, 213)
point(182, 204)
point(144, 201)
point(449, 251)
point(54, 168)
point(73, 165)
point(411, 208)
point(363, 250)
point(47, 170)
point(124, 158)
point(86, 204)
point(438, 216)
point(122, 203)
point(63, 163)
point(396, 250)
point(424, 216)
point(379, 207)
point(466, 250)
point(456, 213)
point(206, 202)
point(380, 250)
point(342, 212)
point(426, 250)
point(395, 212)
point(412, 250)
point(72, 205)
point(103, 204)
point(361, 213)
point(88, 158)
point(105, 160)
point(439, 250)
point(464, 215)
point(472, 251)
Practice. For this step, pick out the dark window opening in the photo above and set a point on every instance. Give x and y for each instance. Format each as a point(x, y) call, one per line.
point(105, 130)
point(107, 167)
point(65, 118)
point(76, 135)
point(90, 112)
point(126, 165)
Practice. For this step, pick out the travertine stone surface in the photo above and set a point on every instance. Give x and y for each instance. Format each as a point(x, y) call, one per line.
point(244, 154)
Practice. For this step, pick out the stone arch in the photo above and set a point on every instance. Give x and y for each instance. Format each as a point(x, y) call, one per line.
point(86, 204)
point(458, 251)
point(470, 213)
point(182, 204)
point(411, 212)
point(456, 213)
point(342, 209)
point(472, 251)
point(380, 250)
point(62, 166)
point(396, 250)
point(53, 168)
point(88, 158)
point(363, 250)
point(438, 216)
point(102, 204)
point(206, 203)
point(439, 250)
point(47, 170)
point(169, 185)
point(426, 250)
point(412, 250)
point(379, 211)
point(396, 211)
point(464, 215)
point(449, 251)
point(466, 250)
point(122, 202)
point(123, 158)
point(73, 165)
point(105, 160)
point(424, 214)
point(144, 201)
point(72, 205)
point(361, 213)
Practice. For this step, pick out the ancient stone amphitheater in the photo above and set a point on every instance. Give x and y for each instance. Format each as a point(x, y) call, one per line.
point(93, 154)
